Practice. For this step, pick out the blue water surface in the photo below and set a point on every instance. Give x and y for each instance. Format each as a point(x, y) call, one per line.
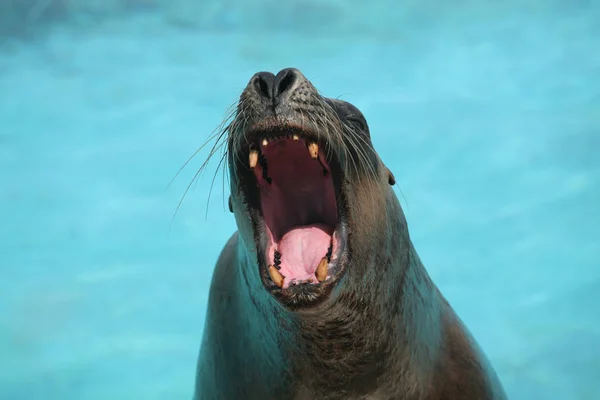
point(488, 114)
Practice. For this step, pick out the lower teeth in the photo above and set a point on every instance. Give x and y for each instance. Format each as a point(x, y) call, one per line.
point(277, 260)
point(320, 272)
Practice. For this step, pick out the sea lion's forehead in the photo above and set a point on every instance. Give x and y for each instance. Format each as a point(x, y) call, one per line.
point(345, 108)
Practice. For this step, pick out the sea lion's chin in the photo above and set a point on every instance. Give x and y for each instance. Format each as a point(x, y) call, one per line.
point(292, 184)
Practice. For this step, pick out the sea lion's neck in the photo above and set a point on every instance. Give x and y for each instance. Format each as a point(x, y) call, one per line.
point(369, 334)
point(373, 327)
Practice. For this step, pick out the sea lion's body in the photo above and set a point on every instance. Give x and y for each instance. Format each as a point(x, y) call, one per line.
point(383, 331)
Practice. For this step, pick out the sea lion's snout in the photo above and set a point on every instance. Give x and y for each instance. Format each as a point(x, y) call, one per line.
point(280, 96)
point(293, 157)
point(276, 88)
point(288, 178)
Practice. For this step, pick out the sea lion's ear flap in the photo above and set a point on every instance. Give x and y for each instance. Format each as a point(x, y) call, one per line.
point(391, 177)
point(230, 205)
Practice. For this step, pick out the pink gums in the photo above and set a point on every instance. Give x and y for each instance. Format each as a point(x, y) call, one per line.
point(299, 208)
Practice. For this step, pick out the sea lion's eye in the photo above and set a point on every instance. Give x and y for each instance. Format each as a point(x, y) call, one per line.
point(357, 121)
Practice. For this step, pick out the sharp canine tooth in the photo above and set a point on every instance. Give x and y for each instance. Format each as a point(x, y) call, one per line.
point(313, 149)
point(253, 158)
point(265, 142)
point(322, 270)
point(276, 276)
point(296, 137)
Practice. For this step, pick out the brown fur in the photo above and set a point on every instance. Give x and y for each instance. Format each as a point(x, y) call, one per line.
point(383, 331)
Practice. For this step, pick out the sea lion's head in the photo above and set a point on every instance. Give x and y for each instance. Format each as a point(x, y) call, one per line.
point(310, 195)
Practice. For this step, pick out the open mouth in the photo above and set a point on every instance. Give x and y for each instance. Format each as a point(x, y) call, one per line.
point(294, 191)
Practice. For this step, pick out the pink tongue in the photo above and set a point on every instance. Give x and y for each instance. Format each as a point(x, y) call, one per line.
point(301, 251)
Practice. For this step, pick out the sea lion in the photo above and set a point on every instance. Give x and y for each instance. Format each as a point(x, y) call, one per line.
point(320, 293)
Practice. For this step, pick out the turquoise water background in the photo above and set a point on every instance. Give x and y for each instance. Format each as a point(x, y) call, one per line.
point(488, 114)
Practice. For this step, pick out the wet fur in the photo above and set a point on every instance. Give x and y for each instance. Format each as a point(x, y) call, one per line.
point(384, 332)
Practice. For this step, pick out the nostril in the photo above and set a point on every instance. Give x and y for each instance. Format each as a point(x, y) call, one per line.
point(263, 87)
point(284, 80)
point(264, 84)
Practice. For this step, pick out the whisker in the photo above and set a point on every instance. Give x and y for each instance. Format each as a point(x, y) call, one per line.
point(218, 136)
point(213, 182)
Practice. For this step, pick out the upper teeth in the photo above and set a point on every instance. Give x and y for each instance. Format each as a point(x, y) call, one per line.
point(253, 157)
point(313, 149)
